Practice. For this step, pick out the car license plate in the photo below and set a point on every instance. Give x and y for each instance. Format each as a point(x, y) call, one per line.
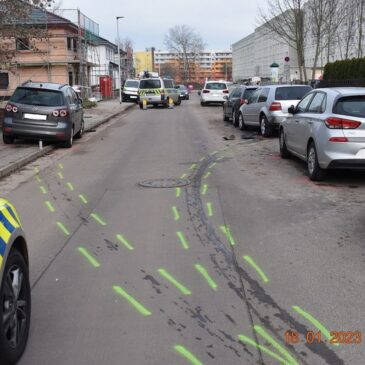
point(35, 116)
point(133, 97)
point(361, 153)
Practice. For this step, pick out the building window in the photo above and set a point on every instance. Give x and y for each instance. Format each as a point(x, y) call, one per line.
point(4, 80)
point(22, 44)
point(70, 78)
point(72, 44)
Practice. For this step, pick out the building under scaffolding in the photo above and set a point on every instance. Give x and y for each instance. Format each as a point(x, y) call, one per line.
point(71, 53)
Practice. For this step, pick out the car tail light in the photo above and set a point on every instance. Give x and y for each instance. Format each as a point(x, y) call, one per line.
point(225, 91)
point(11, 108)
point(338, 139)
point(339, 123)
point(60, 113)
point(243, 101)
point(275, 106)
point(206, 91)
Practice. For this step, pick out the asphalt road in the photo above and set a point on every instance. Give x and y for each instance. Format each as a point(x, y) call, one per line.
point(214, 272)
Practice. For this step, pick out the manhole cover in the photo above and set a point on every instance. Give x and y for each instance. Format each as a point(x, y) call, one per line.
point(164, 183)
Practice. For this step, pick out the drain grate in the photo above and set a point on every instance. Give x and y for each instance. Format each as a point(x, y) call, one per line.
point(164, 183)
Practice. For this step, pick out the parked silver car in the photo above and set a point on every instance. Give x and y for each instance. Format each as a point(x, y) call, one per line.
point(268, 106)
point(327, 130)
point(130, 90)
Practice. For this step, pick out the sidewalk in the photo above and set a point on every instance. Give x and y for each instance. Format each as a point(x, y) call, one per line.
point(13, 157)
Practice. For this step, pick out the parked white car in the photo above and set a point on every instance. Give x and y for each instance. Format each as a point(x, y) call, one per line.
point(214, 92)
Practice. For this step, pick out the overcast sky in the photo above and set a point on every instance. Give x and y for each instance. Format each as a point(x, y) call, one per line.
point(219, 22)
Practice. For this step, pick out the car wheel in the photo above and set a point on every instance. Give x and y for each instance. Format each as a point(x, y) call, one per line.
point(15, 308)
point(187, 98)
point(284, 153)
point(80, 133)
point(314, 170)
point(202, 103)
point(241, 122)
point(8, 139)
point(265, 129)
point(70, 141)
point(140, 105)
point(178, 102)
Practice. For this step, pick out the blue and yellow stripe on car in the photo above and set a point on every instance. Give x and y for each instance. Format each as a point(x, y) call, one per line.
point(9, 222)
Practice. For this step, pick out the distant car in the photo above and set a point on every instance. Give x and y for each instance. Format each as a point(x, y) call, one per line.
point(158, 91)
point(130, 90)
point(268, 106)
point(214, 92)
point(327, 130)
point(15, 299)
point(44, 111)
point(184, 92)
point(237, 97)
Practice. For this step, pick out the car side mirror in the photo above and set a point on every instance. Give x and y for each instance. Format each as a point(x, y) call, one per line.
point(291, 110)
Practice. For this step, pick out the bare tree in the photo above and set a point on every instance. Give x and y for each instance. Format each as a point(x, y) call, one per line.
point(285, 18)
point(186, 44)
point(15, 29)
point(360, 14)
point(169, 69)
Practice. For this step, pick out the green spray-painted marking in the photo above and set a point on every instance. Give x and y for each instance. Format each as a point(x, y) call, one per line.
point(121, 239)
point(38, 178)
point(210, 209)
point(83, 199)
point(187, 355)
point(60, 175)
point(220, 158)
point(183, 240)
point(43, 190)
point(62, 227)
point(193, 166)
point(207, 175)
point(173, 281)
point(205, 189)
point(50, 206)
point(70, 186)
point(183, 176)
point(204, 272)
point(176, 213)
point(92, 260)
point(97, 218)
point(228, 234)
point(137, 305)
point(178, 192)
point(249, 341)
point(214, 153)
point(36, 169)
point(212, 165)
point(60, 166)
point(276, 345)
point(202, 159)
point(315, 322)
point(251, 261)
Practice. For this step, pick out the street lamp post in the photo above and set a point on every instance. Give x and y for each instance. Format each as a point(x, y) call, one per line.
point(119, 67)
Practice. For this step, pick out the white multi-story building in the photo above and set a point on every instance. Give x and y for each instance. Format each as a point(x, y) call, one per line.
point(253, 55)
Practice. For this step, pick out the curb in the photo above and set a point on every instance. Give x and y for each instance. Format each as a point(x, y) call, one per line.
point(5, 171)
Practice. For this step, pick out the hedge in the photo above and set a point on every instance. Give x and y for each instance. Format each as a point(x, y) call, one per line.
point(345, 70)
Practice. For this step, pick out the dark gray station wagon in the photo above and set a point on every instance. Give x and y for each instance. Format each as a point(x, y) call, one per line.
point(44, 111)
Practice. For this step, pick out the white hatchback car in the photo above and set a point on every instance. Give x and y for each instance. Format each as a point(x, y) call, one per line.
point(214, 92)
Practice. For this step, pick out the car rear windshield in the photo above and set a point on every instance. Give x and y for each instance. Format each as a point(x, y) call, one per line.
point(291, 93)
point(248, 93)
point(131, 84)
point(39, 97)
point(216, 86)
point(150, 84)
point(182, 87)
point(169, 84)
point(351, 105)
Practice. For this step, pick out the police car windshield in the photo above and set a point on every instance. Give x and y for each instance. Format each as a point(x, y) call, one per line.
point(150, 84)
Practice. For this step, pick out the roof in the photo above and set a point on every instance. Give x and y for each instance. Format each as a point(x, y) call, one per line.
point(43, 85)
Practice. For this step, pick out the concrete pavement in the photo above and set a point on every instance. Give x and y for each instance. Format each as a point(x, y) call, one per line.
point(12, 157)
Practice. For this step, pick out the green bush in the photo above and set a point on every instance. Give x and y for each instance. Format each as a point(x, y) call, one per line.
point(87, 104)
point(353, 69)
